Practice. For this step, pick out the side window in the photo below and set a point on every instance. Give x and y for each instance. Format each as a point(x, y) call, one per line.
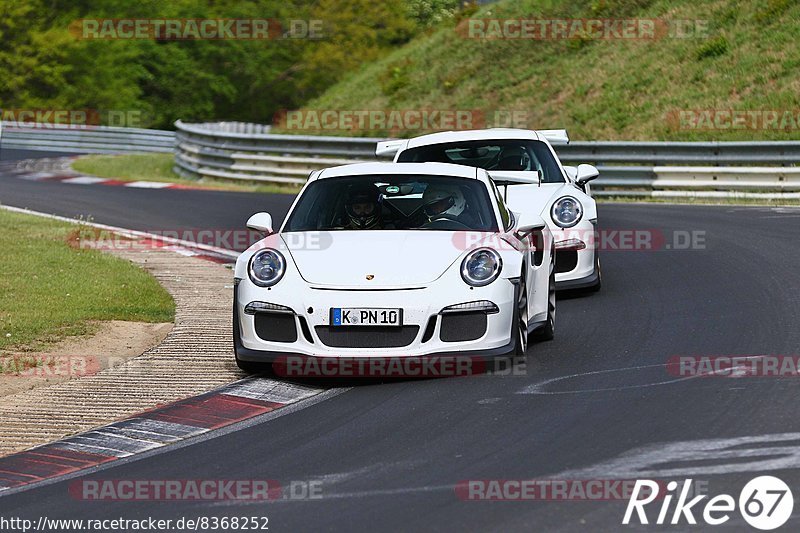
point(505, 214)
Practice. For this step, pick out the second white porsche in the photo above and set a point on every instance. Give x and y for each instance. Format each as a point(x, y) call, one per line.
point(560, 194)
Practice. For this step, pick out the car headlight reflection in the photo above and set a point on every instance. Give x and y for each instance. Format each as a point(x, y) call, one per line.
point(267, 267)
point(481, 267)
point(566, 211)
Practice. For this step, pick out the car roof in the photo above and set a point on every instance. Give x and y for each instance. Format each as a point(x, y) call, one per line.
point(428, 169)
point(473, 135)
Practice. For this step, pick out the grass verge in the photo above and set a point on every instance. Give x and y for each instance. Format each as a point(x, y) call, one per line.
point(50, 290)
point(158, 167)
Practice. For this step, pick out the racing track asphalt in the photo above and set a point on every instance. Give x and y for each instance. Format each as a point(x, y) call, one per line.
point(389, 455)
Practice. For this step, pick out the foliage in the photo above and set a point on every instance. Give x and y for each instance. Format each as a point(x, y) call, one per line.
point(45, 65)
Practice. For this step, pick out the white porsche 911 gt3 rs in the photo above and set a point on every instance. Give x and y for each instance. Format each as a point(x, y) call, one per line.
point(395, 260)
point(561, 196)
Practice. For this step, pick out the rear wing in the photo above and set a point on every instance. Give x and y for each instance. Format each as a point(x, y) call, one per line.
point(389, 148)
point(517, 177)
point(504, 179)
point(555, 136)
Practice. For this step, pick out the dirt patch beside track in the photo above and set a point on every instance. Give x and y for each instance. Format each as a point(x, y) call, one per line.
point(195, 356)
point(114, 343)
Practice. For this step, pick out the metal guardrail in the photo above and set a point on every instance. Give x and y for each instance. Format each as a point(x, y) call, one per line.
point(784, 153)
point(757, 169)
point(245, 151)
point(231, 151)
point(85, 140)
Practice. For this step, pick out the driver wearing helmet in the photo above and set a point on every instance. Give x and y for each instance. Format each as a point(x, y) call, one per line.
point(363, 207)
point(514, 158)
point(441, 201)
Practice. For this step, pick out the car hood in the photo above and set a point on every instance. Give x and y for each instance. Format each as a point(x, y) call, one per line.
point(393, 258)
point(537, 199)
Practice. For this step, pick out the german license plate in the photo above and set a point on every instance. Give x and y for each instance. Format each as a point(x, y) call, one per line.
point(360, 316)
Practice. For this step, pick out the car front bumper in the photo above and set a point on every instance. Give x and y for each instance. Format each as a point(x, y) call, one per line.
point(576, 266)
point(307, 332)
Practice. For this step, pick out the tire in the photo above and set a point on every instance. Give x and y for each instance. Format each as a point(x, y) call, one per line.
point(548, 331)
point(521, 319)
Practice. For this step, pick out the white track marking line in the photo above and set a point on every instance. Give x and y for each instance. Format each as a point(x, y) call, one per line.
point(84, 180)
point(38, 176)
point(148, 184)
point(737, 454)
point(343, 496)
point(114, 440)
point(268, 391)
point(538, 388)
point(153, 430)
point(84, 448)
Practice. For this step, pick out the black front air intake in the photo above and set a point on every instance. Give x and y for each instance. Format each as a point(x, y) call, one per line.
point(276, 327)
point(367, 336)
point(460, 327)
point(566, 260)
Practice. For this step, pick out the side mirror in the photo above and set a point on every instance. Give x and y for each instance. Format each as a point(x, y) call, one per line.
point(528, 222)
point(572, 172)
point(586, 173)
point(260, 222)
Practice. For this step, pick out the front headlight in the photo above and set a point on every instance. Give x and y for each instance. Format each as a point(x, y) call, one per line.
point(481, 267)
point(566, 211)
point(266, 267)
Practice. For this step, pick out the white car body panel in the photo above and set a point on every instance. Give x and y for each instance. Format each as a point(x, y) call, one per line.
point(373, 252)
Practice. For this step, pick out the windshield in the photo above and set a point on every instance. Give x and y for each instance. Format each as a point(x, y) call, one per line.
point(507, 155)
point(393, 203)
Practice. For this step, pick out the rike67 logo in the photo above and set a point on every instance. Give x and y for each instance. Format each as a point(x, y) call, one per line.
point(765, 503)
